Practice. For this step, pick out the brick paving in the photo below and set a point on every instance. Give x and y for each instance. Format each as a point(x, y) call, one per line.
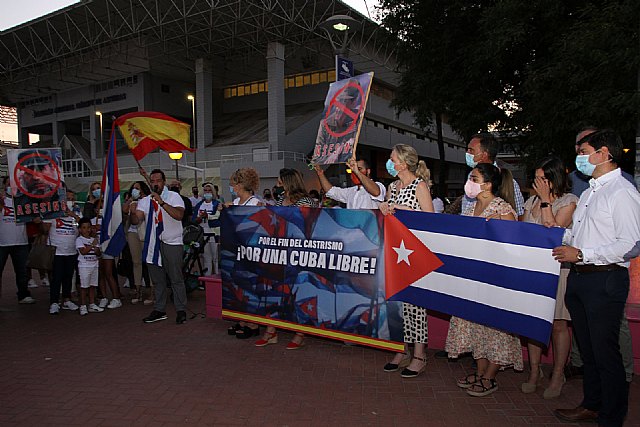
point(111, 369)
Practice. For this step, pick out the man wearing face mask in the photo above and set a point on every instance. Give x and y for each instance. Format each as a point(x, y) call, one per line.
point(163, 248)
point(580, 183)
point(483, 148)
point(195, 199)
point(604, 237)
point(365, 194)
point(206, 215)
point(176, 187)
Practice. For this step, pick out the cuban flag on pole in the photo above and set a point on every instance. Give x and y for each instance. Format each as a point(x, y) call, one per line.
point(112, 236)
point(496, 273)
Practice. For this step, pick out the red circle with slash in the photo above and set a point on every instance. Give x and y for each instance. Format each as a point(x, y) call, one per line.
point(339, 105)
point(20, 166)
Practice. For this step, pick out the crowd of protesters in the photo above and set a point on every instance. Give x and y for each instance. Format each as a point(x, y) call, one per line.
point(598, 206)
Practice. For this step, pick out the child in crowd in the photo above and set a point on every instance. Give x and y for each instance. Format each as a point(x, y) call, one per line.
point(88, 253)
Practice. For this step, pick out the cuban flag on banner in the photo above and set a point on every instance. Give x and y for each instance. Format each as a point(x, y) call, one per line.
point(112, 236)
point(496, 273)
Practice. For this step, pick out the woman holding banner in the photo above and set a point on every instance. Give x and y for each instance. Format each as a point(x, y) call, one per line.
point(135, 238)
point(409, 192)
point(491, 348)
point(553, 207)
point(295, 194)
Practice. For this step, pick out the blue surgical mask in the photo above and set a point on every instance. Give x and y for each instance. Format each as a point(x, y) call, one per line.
point(391, 168)
point(583, 165)
point(96, 193)
point(208, 196)
point(232, 191)
point(135, 194)
point(468, 157)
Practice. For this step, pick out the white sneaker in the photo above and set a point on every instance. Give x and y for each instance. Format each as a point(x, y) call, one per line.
point(45, 282)
point(69, 305)
point(115, 303)
point(126, 284)
point(103, 303)
point(32, 283)
point(27, 300)
point(83, 310)
point(95, 309)
point(54, 308)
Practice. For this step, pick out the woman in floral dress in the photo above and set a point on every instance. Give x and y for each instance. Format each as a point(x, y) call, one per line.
point(492, 348)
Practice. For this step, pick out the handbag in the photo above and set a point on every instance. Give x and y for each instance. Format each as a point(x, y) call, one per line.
point(41, 255)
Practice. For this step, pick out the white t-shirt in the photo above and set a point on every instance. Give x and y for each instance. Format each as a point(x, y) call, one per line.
point(357, 197)
point(212, 213)
point(89, 260)
point(251, 201)
point(11, 234)
point(172, 228)
point(194, 200)
point(63, 233)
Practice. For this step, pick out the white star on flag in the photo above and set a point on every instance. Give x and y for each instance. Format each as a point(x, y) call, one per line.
point(403, 253)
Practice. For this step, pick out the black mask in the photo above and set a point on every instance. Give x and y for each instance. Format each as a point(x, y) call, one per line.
point(175, 189)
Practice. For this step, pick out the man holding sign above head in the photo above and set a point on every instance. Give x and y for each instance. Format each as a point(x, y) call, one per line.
point(365, 194)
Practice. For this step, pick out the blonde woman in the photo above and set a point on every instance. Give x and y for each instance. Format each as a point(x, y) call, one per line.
point(409, 192)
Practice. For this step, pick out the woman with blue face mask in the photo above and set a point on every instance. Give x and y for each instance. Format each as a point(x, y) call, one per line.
point(409, 192)
point(93, 203)
point(135, 238)
point(206, 214)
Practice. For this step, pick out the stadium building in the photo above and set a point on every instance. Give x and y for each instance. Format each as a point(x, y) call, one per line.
point(251, 76)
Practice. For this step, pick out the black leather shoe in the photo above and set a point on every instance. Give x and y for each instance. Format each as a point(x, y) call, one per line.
point(155, 316)
point(576, 414)
point(181, 317)
point(247, 332)
point(232, 330)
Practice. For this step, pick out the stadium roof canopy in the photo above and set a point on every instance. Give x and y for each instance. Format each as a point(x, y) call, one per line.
point(98, 40)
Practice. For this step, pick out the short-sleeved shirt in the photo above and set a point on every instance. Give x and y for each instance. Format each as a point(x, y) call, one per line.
point(11, 233)
point(89, 260)
point(211, 224)
point(356, 197)
point(519, 207)
point(63, 233)
point(171, 228)
point(532, 211)
point(251, 201)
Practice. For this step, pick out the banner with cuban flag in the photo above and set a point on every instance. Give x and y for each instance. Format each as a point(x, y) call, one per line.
point(112, 235)
point(145, 131)
point(496, 273)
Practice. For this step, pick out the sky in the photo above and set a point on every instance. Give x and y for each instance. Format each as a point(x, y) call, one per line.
point(30, 9)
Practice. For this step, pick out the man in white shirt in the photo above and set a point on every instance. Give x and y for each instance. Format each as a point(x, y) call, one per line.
point(365, 194)
point(604, 237)
point(14, 243)
point(163, 246)
point(195, 199)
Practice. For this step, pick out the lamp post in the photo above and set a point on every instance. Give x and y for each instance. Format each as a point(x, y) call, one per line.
point(176, 156)
point(342, 26)
point(99, 114)
point(192, 99)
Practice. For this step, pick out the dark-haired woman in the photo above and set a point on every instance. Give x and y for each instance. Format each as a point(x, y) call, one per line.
point(295, 194)
point(491, 348)
point(135, 238)
point(552, 206)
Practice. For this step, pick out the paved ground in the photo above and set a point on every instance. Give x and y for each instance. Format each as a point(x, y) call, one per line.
point(111, 369)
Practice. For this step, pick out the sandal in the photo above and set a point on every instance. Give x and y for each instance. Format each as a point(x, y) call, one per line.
point(479, 389)
point(392, 367)
point(268, 338)
point(232, 330)
point(408, 373)
point(245, 332)
point(469, 380)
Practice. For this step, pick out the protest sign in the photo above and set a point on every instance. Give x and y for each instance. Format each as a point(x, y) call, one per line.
point(341, 120)
point(36, 183)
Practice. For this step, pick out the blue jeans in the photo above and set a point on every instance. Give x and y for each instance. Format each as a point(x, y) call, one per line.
point(19, 255)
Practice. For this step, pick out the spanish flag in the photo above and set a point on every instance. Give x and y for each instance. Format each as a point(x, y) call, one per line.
point(145, 131)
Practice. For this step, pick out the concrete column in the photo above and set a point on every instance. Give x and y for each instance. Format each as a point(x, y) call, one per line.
point(275, 76)
point(57, 132)
point(23, 134)
point(204, 106)
point(94, 132)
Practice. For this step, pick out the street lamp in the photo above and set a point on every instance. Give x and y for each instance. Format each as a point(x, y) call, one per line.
point(340, 25)
point(176, 156)
point(195, 134)
point(99, 114)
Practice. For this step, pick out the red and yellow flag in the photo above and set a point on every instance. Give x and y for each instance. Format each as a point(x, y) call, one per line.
point(145, 131)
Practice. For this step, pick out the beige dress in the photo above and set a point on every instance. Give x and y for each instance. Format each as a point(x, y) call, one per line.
point(484, 342)
point(533, 214)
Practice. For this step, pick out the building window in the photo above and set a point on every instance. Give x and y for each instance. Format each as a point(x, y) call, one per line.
point(292, 81)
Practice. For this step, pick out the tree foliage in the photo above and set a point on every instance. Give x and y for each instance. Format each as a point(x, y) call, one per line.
point(560, 65)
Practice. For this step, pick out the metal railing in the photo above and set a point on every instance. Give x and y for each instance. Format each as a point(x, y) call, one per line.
point(262, 157)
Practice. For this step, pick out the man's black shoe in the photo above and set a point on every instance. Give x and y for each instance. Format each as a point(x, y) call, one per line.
point(155, 316)
point(573, 372)
point(180, 318)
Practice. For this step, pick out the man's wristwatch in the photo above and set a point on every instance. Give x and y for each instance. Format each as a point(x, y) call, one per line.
point(580, 256)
